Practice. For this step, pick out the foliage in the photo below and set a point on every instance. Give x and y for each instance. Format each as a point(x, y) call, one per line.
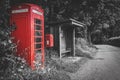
point(98, 15)
point(102, 15)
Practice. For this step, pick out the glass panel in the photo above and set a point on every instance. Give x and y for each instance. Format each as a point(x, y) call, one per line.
point(38, 46)
point(38, 39)
point(37, 58)
point(38, 51)
point(37, 21)
point(37, 33)
point(37, 27)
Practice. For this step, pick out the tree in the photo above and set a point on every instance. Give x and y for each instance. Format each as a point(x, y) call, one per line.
point(100, 15)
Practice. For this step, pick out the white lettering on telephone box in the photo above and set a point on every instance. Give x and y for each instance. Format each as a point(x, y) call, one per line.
point(19, 11)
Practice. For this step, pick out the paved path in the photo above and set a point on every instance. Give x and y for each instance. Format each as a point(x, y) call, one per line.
point(106, 66)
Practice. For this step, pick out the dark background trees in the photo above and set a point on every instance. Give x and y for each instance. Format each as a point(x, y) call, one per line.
point(101, 16)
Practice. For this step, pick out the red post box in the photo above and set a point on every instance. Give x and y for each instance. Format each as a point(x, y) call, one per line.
point(49, 40)
point(29, 19)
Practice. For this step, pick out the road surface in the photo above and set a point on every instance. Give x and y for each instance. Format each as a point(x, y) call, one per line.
point(106, 66)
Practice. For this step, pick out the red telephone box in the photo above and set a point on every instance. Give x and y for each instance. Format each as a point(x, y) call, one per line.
point(29, 33)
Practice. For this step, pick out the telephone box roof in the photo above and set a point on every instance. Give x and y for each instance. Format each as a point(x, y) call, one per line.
point(29, 5)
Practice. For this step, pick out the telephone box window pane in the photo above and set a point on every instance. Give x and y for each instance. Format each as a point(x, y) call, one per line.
point(38, 51)
point(37, 33)
point(38, 39)
point(38, 27)
point(37, 21)
point(37, 56)
point(38, 45)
